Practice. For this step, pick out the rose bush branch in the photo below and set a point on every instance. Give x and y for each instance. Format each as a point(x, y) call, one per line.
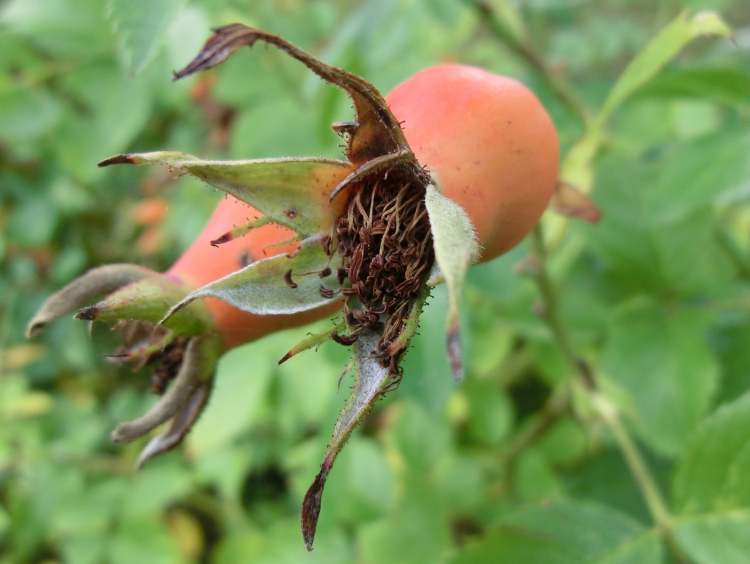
point(587, 384)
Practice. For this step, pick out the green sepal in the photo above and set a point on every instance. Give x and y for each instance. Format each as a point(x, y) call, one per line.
point(279, 285)
point(456, 248)
point(149, 299)
point(88, 287)
point(293, 192)
point(372, 381)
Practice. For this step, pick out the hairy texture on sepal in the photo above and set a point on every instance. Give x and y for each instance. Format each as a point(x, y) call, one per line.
point(313, 340)
point(83, 290)
point(148, 300)
point(293, 192)
point(265, 287)
point(456, 248)
point(372, 380)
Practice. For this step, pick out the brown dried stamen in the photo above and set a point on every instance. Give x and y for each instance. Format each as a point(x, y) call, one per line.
point(144, 344)
point(385, 240)
point(167, 363)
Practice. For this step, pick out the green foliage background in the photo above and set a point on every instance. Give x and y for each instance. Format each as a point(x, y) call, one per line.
point(520, 463)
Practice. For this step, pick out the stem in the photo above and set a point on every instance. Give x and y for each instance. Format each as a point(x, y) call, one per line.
point(606, 411)
point(635, 461)
point(524, 50)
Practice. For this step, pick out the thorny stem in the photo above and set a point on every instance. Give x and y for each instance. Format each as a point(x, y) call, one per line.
point(523, 49)
point(606, 411)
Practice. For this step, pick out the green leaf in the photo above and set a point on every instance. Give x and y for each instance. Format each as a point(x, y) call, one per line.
point(726, 85)
point(279, 285)
point(293, 192)
point(69, 29)
point(660, 358)
point(372, 379)
point(490, 416)
point(710, 471)
point(715, 538)
point(417, 532)
point(106, 118)
point(140, 27)
point(456, 247)
point(363, 487)
point(566, 533)
point(658, 52)
point(27, 114)
point(659, 219)
point(408, 434)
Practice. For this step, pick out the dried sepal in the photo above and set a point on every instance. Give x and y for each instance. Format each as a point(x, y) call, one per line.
point(456, 248)
point(182, 421)
point(195, 373)
point(83, 290)
point(265, 287)
point(372, 381)
point(569, 201)
point(293, 192)
point(376, 131)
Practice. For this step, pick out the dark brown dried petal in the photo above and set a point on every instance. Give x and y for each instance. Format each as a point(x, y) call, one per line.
point(376, 131)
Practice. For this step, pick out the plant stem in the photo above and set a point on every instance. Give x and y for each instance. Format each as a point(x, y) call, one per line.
point(606, 411)
point(523, 49)
point(635, 461)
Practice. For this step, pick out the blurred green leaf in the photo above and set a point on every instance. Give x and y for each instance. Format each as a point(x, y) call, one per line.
point(715, 538)
point(490, 416)
point(660, 358)
point(577, 165)
point(140, 27)
point(280, 544)
point(534, 478)
point(362, 488)
point(727, 85)
point(710, 474)
point(566, 533)
point(142, 540)
point(248, 369)
point(105, 119)
point(27, 114)
point(658, 52)
point(70, 29)
point(657, 218)
point(416, 532)
point(421, 437)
